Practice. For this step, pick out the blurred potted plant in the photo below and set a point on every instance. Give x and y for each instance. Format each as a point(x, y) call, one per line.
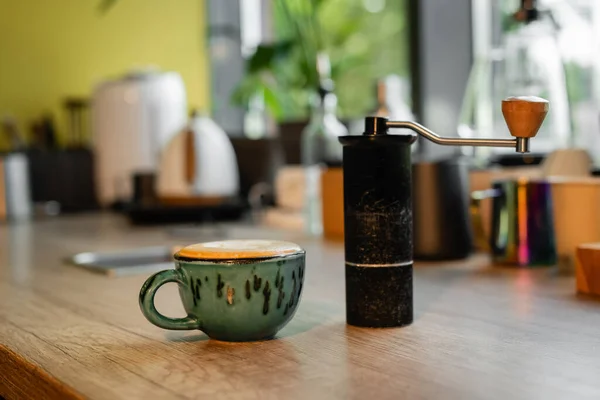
point(356, 42)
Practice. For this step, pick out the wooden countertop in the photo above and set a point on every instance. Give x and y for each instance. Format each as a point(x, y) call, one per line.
point(479, 332)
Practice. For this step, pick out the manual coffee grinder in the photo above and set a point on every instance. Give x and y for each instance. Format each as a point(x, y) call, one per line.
point(378, 209)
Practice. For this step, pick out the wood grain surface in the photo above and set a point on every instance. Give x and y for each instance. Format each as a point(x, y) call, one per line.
point(479, 333)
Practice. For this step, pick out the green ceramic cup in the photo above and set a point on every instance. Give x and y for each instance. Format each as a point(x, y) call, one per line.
point(237, 291)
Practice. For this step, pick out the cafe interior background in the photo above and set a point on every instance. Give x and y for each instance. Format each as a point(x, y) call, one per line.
point(199, 114)
point(130, 129)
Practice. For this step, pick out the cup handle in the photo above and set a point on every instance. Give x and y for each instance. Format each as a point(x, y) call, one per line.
point(147, 293)
point(481, 240)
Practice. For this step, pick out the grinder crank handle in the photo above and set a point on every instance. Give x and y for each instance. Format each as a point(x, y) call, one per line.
point(523, 115)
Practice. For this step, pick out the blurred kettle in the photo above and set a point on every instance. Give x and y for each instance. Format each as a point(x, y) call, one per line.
point(198, 164)
point(441, 221)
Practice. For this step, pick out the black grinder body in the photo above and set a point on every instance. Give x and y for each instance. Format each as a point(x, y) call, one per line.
point(378, 227)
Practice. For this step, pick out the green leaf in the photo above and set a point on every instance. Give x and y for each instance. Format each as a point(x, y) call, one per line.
point(273, 103)
point(362, 48)
point(267, 54)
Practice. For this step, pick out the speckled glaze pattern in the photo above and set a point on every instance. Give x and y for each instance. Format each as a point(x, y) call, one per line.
point(234, 300)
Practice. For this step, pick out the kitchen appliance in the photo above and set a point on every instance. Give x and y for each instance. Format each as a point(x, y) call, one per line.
point(522, 232)
point(198, 165)
point(133, 118)
point(15, 193)
point(441, 223)
point(378, 237)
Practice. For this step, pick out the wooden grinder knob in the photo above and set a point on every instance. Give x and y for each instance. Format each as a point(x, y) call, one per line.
point(524, 115)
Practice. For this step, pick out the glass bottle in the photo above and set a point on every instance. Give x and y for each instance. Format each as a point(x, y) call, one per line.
point(320, 148)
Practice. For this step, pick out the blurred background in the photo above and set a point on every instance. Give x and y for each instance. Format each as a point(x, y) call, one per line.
point(217, 110)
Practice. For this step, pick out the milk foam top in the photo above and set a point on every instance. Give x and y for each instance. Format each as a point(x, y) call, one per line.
point(235, 249)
